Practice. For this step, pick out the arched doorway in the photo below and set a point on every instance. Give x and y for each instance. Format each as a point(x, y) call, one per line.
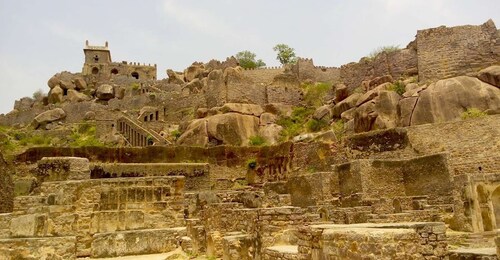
point(95, 70)
point(135, 75)
point(495, 200)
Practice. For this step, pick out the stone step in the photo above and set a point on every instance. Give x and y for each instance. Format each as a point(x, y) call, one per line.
point(137, 242)
point(473, 253)
point(280, 252)
point(36, 248)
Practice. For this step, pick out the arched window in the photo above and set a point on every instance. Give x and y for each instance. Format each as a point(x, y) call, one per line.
point(135, 75)
point(96, 58)
point(95, 70)
point(114, 71)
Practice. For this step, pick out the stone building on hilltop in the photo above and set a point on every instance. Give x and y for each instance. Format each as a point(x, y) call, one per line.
point(99, 66)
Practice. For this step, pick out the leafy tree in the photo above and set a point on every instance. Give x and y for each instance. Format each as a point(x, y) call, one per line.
point(247, 60)
point(286, 54)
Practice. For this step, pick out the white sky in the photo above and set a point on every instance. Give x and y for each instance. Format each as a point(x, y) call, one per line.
point(41, 38)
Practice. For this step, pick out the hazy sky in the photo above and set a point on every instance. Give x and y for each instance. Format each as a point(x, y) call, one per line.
point(41, 38)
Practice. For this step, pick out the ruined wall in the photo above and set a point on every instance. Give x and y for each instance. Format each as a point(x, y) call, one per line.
point(396, 63)
point(306, 70)
point(263, 76)
point(462, 50)
point(6, 187)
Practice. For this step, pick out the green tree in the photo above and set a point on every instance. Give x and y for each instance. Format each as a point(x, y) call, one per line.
point(286, 54)
point(247, 60)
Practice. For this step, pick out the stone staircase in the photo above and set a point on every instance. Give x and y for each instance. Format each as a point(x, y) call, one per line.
point(137, 135)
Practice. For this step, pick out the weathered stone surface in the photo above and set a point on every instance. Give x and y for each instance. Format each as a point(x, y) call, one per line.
point(174, 77)
point(245, 109)
point(196, 134)
point(372, 94)
point(80, 84)
point(323, 113)
point(271, 133)
point(32, 225)
point(379, 80)
point(38, 248)
point(386, 106)
point(194, 86)
point(138, 242)
point(490, 75)
point(193, 71)
point(90, 115)
point(47, 117)
point(6, 186)
point(24, 103)
point(105, 92)
point(56, 95)
point(447, 99)
point(75, 96)
point(201, 112)
point(232, 128)
point(341, 92)
point(364, 117)
point(345, 104)
point(405, 110)
point(268, 118)
point(279, 109)
point(63, 169)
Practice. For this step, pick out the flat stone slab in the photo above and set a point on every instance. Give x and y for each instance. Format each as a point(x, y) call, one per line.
point(284, 249)
point(63, 169)
point(136, 242)
point(38, 248)
point(486, 251)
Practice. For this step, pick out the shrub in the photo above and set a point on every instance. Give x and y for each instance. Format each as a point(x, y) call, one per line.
point(472, 113)
point(397, 87)
point(252, 163)
point(314, 125)
point(295, 124)
point(38, 95)
point(175, 134)
point(135, 86)
point(316, 93)
point(256, 140)
point(386, 49)
point(84, 135)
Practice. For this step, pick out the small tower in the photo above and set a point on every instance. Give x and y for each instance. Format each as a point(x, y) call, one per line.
point(96, 58)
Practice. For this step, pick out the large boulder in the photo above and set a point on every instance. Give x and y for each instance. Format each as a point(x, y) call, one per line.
point(56, 95)
point(105, 92)
point(174, 77)
point(447, 99)
point(345, 104)
point(270, 133)
point(41, 120)
point(490, 75)
point(75, 96)
point(323, 113)
point(228, 129)
point(341, 92)
point(80, 84)
point(386, 105)
point(232, 128)
point(193, 71)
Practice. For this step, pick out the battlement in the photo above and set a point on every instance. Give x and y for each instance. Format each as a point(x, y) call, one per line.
point(267, 68)
point(96, 47)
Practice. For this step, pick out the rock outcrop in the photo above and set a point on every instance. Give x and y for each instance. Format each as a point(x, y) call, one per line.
point(490, 75)
point(47, 117)
point(6, 187)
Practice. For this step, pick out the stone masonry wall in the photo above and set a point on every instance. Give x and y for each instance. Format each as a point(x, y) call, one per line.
point(6, 187)
point(447, 52)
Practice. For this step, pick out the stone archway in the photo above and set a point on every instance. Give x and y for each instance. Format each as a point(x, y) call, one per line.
point(495, 200)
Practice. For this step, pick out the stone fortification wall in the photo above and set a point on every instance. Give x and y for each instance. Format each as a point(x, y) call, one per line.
point(397, 64)
point(306, 70)
point(447, 52)
point(263, 76)
point(471, 144)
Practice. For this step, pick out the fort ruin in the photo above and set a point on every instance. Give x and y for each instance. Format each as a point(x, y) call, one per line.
point(396, 156)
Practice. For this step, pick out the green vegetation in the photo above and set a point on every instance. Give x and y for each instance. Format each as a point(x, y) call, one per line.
point(286, 54)
point(135, 85)
point(397, 87)
point(84, 135)
point(316, 93)
point(175, 134)
point(472, 113)
point(386, 49)
point(247, 60)
point(314, 125)
point(256, 140)
point(294, 124)
point(338, 129)
point(252, 163)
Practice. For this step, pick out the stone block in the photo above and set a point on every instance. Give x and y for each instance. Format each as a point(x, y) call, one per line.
point(63, 168)
point(139, 242)
point(38, 248)
point(32, 225)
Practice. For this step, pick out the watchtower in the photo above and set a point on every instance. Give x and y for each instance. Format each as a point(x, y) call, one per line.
point(96, 58)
